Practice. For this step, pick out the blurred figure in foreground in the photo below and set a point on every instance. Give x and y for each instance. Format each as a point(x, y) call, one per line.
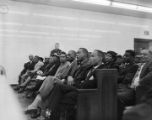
point(10, 107)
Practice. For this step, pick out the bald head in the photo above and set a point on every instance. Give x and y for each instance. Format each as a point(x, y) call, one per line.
point(96, 57)
point(146, 55)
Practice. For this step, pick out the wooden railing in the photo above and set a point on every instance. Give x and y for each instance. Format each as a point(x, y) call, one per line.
point(100, 103)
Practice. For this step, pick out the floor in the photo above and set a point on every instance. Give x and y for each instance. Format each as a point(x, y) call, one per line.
point(24, 103)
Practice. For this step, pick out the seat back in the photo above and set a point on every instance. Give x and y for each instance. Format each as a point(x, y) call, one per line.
point(100, 103)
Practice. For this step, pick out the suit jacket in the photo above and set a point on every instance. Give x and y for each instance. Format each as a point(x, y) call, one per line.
point(126, 74)
point(81, 73)
point(51, 70)
point(44, 67)
point(29, 65)
point(62, 71)
point(73, 68)
point(146, 75)
point(91, 81)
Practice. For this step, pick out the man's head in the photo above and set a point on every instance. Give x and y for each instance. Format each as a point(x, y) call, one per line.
point(110, 56)
point(119, 60)
point(41, 59)
point(36, 59)
point(129, 56)
point(82, 54)
point(46, 60)
point(96, 57)
point(57, 45)
point(31, 57)
point(146, 55)
point(71, 55)
point(63, 57)
point(54, 59)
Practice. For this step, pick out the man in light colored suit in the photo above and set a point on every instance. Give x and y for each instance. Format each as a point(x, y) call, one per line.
point(145, 79)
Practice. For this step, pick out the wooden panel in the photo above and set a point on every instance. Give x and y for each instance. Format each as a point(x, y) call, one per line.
point(107, 85)
point(88, 106)
point(100, 103)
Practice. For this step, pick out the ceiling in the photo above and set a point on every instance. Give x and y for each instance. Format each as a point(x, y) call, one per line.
point(147, 3)
point(97, 8)
point(137, 2)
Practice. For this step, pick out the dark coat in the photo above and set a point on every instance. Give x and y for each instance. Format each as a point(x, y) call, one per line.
point(90, 84)
point(126, 74)
point(52, 69)
point(81, 74)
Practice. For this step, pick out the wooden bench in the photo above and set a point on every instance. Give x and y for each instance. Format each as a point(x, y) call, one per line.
point(100, 103)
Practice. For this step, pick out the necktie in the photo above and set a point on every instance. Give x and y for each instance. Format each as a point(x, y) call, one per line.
point(90, 73)
point(136, 78)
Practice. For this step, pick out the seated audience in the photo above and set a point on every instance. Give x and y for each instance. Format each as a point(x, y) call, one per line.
point(86, 80)
point(27, 66)
point(29, 74)
point(67, 94)
point(47, 84)
point(50, 69)
point(55, 82)
point(45, 91)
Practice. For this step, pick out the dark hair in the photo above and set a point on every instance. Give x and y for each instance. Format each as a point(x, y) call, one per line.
point(119, 56)
point(62, 53)
point(36, 56)
point(57, 59)
point(131, 52)
point(85, 51)
point(113, 54)
point(40, 58)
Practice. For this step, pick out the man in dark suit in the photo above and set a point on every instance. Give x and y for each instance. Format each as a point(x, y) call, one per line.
point(126, 95)
point(145, 80)
point(96, 62)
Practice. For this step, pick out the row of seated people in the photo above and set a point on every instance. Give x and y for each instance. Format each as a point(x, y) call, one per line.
point(143, 89)
point(56, 80)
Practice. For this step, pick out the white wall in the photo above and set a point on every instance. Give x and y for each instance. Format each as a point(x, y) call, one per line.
point(33, 29)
